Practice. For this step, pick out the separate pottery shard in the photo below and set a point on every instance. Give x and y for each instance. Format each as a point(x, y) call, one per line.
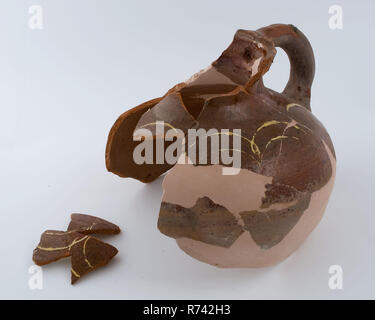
point(55, 245)
point(87, 224)
point(120, 147)
point(268, 228)
point(88, 255)
point(197, 222)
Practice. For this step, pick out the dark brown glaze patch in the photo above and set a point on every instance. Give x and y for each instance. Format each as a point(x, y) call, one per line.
point(87, 224)
point(268, 228)
point(206, 221)
point(88, 255)
point(278, 193)
point(274, 144)
point(301, 114)
point(213, 224)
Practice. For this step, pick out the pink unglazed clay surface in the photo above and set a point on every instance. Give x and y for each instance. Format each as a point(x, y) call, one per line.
point(184, 184)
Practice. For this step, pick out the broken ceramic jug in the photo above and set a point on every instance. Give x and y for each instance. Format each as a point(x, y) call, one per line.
point(261, 214)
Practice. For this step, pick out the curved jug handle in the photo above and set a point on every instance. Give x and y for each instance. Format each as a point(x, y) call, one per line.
point(301, 58)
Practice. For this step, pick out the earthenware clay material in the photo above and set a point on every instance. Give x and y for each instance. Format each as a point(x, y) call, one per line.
point(87, 252)
point(261, 215)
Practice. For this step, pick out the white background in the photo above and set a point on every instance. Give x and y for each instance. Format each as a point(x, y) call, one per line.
point(62, 88)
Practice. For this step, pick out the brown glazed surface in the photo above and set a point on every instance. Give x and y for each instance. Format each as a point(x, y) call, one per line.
point(261, 215)
point(87, 224)
point(87, 252)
